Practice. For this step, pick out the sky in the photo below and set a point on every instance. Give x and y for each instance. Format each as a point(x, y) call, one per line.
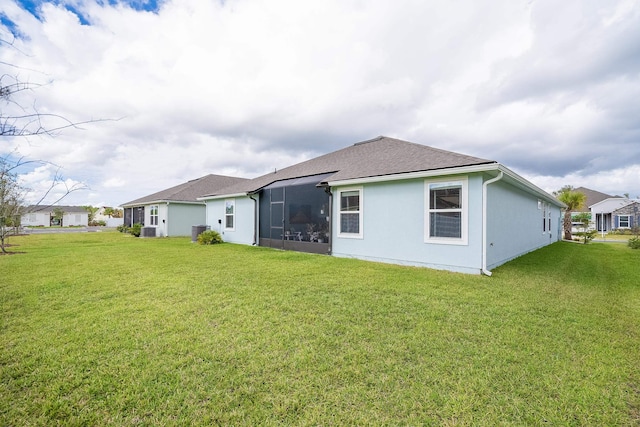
point(163, 92)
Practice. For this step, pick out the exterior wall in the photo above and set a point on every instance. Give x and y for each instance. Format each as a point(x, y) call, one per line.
point(394, 228)
point(71, 219)
point(175, 219)
point(514, 224)
point(43, 219)
point(244, 231)
point(181, 217)
point(632, 210)
point(36, 219)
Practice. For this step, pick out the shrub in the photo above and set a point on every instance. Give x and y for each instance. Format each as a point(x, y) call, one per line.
point(634, 243)
point(209, 237)
point(136, 229)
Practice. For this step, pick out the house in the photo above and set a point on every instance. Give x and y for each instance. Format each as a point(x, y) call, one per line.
point(616, 212)
point(46, 216)
point(173, 212)
point(592, 197)
point(391, 201)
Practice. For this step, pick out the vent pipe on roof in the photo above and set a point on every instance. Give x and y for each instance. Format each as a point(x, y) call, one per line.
point(484, 221)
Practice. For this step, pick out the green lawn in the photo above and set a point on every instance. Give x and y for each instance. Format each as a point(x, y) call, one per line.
point(107, 329)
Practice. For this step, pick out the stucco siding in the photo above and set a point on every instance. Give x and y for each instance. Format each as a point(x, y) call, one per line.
point(394, 228)
point(515, 223)
point(244, 219)
point(182, 217)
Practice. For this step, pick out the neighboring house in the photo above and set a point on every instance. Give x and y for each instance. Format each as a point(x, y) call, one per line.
point(44, 216)
point(392, 201)
point(173, 212)
point(592, 197)
point(108, 220)
point(616, 212)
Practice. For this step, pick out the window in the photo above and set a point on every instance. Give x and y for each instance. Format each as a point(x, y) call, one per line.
point(549, 218)
point(623, 221)
point(446, 213)
point(544, 217)
point(153, 215)
point(350, 213)
point(229, 214)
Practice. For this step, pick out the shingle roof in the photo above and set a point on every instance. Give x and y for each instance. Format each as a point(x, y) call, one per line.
point(593, 197)
point(376, 157)
point(51, 208)
point(190, 190)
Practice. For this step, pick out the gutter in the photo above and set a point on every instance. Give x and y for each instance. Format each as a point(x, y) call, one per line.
point(484, 221)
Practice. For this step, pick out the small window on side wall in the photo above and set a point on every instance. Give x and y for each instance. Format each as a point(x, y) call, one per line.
point(230, 214)
point(350, 213)
point(446, 211)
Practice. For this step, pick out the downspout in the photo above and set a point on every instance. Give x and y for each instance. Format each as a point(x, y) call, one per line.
point(484, 222)
point(255, 220)
point(327, 190)
point(166, 222)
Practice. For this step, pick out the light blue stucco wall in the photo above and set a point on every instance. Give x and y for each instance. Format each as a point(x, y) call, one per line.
point(394, 228)
point(244, 228)
point(514, 223)
point(175, 219)
point(182, 217)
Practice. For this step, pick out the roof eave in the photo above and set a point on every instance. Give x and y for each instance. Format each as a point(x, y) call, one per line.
point(221, 196)
point(155, 202)
point(484, 167)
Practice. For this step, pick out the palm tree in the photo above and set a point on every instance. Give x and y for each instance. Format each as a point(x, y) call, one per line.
point(574, 200)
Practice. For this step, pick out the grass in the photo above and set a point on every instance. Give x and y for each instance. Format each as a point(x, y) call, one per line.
point(107, 329)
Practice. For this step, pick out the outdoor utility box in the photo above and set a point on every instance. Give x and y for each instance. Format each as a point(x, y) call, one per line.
point(148, 232)
point(196, 230)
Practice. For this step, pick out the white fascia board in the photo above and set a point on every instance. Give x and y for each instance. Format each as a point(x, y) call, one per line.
point(527, 185)
point(160, 202)
point(415, 175)
point(490, 167)
point(222, 196)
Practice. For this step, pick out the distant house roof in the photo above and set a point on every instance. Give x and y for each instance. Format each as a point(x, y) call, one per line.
point(377, 157)
point(48, 208)
point(188, 191)
point(593, 197)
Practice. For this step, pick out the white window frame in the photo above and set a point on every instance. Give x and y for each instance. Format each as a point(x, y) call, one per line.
point(545, 206)
point(620, 221)
point(464, 212)
point(232, 215)
point(152, 216)
point(360, 213)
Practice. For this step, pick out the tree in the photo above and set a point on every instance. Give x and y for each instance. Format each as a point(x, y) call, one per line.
point(12, 195)
point(17, 120)
point(92, 211)
point(10, 202)
point(58, 215)
point(112, 212)
point(574, 200)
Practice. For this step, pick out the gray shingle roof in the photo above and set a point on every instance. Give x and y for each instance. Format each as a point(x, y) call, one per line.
point(593, 197)
point(190, 190)
point(376, 157)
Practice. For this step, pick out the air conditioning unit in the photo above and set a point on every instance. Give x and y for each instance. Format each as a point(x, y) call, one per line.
point(148, 232)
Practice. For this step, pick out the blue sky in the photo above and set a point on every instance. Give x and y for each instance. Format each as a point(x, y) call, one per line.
point(549, 89)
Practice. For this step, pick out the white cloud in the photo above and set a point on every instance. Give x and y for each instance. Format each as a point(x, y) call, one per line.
point(241, 87)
